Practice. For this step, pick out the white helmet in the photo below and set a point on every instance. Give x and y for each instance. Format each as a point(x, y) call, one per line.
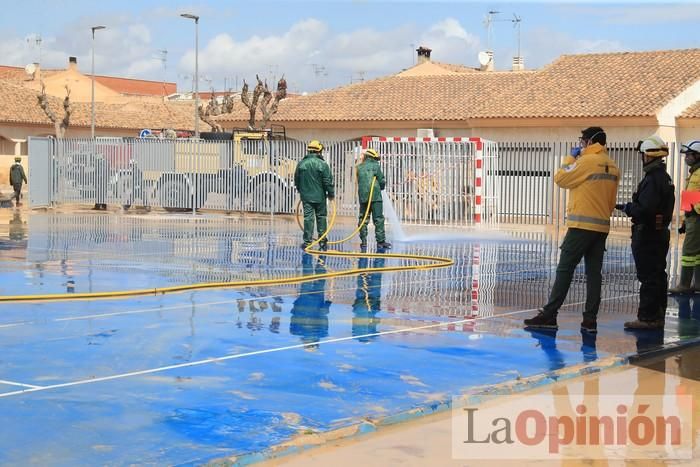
point(691, 147)
point(653, 146)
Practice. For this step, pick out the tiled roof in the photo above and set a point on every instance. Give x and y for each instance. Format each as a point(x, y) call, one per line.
point(692, 112)
point(20, 106)
point(630, 84)
point(137, 87)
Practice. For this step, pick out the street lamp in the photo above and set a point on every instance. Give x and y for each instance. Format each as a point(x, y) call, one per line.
point(92, 125)
point(196, 70)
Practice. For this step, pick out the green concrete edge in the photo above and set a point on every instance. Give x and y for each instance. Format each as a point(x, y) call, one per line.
point(475, 396)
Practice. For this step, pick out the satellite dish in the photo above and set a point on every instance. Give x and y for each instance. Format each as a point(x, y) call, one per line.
point(30, 69)
point(484, 58)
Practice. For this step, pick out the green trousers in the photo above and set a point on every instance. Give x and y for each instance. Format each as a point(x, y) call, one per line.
point(376, 211)
point(578, 244)
point(690, 255)
point(315, 213)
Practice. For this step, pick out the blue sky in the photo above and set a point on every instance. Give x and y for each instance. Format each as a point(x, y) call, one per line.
point(319, 44)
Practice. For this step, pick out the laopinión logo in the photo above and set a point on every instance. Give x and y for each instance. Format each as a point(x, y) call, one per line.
point(573, 426)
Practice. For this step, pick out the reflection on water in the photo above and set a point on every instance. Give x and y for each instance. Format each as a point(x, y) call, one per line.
point(97, 252)
point(368, 300)
point(309, 314)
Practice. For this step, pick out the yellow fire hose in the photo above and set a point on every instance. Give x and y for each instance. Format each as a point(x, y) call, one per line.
point(431, 262)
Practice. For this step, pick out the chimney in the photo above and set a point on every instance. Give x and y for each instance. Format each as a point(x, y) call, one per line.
point(518, 63)
point(423, 54)
point(37, 72)
point(73, 63)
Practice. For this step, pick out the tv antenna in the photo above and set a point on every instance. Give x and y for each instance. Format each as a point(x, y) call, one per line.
point(488, 21)
point(360, 76)
point(163, 57)
point(516, 24)
point(319, 69)
point(36, 39)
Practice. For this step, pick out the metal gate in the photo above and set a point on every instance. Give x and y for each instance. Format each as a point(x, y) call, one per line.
point(440, 180)
point(40, 170)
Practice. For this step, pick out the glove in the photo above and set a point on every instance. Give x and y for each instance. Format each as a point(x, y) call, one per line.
point(681, 229)
point(576, 151)
point(331, 197)
point(620, 207)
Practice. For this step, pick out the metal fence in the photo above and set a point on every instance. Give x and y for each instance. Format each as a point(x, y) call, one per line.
point(437, 182)
point(431, 183)
point(440, 181)
point(525, 177)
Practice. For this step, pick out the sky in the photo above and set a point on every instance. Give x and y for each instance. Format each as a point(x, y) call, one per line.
point(322, 44)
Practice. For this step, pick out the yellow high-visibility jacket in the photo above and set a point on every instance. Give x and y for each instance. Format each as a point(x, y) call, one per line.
point(692, 183)
point(592, 181)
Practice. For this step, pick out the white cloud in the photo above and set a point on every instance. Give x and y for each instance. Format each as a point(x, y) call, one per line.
point(543, 45)
point(312, 56)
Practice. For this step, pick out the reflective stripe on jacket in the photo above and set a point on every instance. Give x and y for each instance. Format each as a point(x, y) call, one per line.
point(592, 181)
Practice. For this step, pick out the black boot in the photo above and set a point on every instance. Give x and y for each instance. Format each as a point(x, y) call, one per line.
point(683, 286)
point(542, 320)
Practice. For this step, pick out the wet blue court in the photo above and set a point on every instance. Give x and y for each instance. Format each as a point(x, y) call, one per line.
point(191, 377)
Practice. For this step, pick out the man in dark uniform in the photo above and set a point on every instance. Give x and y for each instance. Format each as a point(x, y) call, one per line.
point(17, 177)
point(651, 210)
point(368, 172)
point(314, 181)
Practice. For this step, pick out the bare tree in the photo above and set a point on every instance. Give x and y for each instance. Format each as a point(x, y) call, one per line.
point(59, 127)
point(261, 89)
point(280, 94)
point(213, 109)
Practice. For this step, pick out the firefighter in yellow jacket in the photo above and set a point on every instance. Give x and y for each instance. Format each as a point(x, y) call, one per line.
point(690, 256)
point(592, 179)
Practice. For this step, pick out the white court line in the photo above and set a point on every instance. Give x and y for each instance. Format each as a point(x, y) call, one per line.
point(12, 383)
point(272, 350)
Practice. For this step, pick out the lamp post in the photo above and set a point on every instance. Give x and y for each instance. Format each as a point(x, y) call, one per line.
point(92, 100)
point(196, 70)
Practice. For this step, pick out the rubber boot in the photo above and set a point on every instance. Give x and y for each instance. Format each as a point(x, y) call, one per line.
point(683, 286)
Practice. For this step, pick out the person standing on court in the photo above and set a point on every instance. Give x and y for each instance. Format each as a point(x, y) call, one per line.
point(690, 255)
point(314, 182)
point(17, 177)
point(651, 210)
point(592, 179)
point(369, 173)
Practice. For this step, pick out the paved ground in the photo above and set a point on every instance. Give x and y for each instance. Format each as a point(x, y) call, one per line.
point(196, 376)
point(427, 441)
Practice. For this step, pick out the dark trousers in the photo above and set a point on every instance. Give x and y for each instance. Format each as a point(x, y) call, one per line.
point(376, 212)
point(649, 248)
point(18, 190)
point(577, 244)
point(315, 213)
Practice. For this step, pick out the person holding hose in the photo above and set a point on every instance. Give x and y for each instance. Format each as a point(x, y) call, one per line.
point(690, 256)
point(651, 210)
point(314, 182)
point(369, 172)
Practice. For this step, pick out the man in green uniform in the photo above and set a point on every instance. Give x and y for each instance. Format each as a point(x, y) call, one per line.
point(367, 172)
point(314, 181)
point(690, 256)
point(17, 176)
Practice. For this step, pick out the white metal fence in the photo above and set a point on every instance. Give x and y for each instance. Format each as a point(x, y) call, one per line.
point(438, 181)
point(430, 182)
